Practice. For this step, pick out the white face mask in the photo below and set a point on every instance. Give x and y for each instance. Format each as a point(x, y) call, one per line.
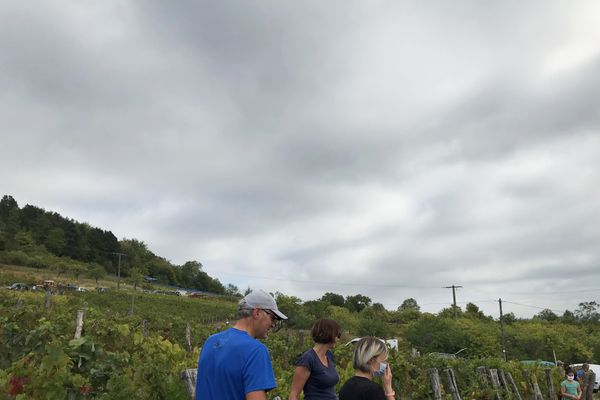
point(381, 370)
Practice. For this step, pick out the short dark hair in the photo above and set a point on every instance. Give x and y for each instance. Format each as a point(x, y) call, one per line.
point(325, 331)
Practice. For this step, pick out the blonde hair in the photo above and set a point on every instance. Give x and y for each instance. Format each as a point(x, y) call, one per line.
point(366, 349)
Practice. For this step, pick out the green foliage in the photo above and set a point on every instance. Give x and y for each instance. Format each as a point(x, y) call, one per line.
point(409, 304)
point(588, 311)
point(34, 237)
point(112, 359)
point(334, 299)
point(357, 302)
point(115, 360)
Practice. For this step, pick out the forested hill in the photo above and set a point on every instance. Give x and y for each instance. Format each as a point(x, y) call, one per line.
point(38, 238)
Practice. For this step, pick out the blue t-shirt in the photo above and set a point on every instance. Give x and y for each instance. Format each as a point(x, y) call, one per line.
point(322, 380)
point(232, 364)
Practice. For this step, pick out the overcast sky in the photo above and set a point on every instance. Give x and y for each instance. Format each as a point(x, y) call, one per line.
point(387, 148)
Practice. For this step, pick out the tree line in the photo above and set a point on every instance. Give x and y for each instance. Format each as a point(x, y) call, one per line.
point(43, 239)
point(573, 336)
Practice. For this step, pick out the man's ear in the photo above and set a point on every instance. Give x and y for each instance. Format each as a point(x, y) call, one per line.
point(256, 313)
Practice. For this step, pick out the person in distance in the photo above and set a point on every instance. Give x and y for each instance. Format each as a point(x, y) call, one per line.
point(233, 364)
point(369, 361)
point(570, 388)
point(315, 372)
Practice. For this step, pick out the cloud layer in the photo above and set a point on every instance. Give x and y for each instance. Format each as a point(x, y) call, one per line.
point(388, 149)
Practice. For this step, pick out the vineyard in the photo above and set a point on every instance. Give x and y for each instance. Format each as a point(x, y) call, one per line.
point(139, 355)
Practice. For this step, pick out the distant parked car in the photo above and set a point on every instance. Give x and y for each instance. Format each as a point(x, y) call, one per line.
point(541, 363)
point(448, 355)
point(67, 288)
point(81, 289)
point(390, 343)
point(18, 286)
point(101, 289)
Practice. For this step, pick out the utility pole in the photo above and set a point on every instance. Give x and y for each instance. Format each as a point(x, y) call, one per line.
point(502, 331)
point(453, 287)
point(119, 269)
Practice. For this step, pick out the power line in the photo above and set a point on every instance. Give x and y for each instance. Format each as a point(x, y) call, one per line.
point(558, 292)
point(530, 306)
point(312, 281)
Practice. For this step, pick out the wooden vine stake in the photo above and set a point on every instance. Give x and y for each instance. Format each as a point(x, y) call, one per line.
point(588, 387)
point(451, 384)
point(79, 326)
point(496, 383)
point(549, 383)
point(483, 378)
point(513, 385)
point(504, 382)
point(188, 337)
point(434, 380)
point(47, 300)
point(189, 377)
point(145, 328)
point(537, 392)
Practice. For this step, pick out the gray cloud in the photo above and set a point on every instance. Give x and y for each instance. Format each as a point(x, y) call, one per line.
point(388, 149)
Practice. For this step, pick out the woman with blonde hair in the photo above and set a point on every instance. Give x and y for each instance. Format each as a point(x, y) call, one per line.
point(369, 361)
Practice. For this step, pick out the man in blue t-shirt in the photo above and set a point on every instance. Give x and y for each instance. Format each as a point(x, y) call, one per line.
point(233, 365)
point(580, 374)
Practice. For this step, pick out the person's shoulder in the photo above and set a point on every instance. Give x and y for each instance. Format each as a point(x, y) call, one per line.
point(306, 359)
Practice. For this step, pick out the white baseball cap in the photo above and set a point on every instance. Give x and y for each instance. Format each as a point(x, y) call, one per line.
point(261, 299)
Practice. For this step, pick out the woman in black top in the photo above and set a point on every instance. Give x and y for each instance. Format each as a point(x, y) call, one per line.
point(370, 360)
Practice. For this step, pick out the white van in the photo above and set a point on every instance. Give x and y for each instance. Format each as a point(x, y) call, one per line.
point(593, 367)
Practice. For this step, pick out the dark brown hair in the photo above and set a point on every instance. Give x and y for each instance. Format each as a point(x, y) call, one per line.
point(325, 331)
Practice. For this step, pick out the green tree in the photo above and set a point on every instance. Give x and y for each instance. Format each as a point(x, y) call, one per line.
point(547, 315)
point(371, 323)
point(188, 273)
point(7, 205)
point(10, 229)
point(448, 312)
point(56, 241)
point(378, 308)
point(60, 267)
point(136, 276)
point(77, 269)
point(96, 271)
point(348, 320)
point(409, 304)
point(24, 241)
point(333, 298)
point(588, 312)
point(292, 307)
point(316, 308)
point(357, 302)
point(509, 318)
point(437, 334)
point(568, 317)
point(473, 311)
point(232, 290)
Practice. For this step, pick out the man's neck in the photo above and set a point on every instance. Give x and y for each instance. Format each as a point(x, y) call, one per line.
point(246, 326)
